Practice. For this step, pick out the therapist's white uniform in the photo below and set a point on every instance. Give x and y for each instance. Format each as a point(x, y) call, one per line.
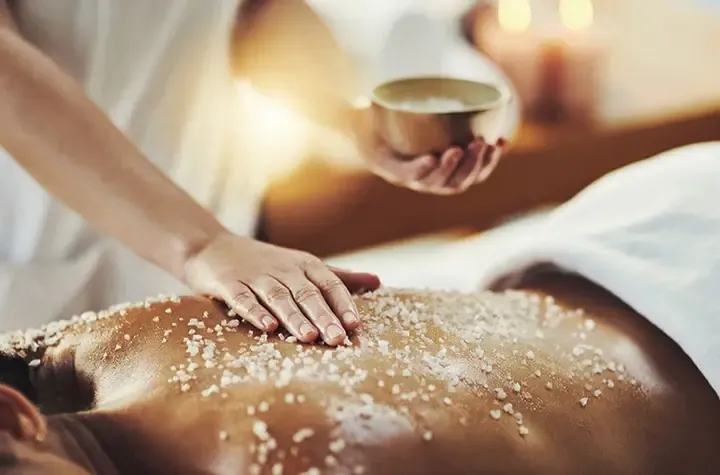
point(160, 70)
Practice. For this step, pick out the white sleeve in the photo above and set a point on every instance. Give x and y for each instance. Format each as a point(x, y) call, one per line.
point(650, 234)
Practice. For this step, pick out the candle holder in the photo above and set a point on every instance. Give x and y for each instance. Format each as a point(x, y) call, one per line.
point(552, 53)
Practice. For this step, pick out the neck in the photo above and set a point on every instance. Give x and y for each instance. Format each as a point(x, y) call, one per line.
point(72, 439)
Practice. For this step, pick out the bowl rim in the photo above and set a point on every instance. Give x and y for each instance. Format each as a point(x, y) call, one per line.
point(503, 98)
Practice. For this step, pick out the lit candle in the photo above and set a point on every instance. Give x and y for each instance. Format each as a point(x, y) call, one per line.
point(583, 50)
point(554, 67)
point(513, 45)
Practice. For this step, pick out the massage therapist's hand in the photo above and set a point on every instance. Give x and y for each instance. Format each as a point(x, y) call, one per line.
point(453, 172)
point(271, 286)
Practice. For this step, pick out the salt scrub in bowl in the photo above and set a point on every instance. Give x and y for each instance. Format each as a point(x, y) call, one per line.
point(418, 116)
point(432, 105)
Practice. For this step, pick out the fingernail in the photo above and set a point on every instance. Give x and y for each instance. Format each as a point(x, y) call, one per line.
point(268, 322)
point(349, 318)
point(333, 331)
point(306, 330)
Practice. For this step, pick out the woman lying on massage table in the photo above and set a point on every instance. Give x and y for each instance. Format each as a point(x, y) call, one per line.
point(558, 378)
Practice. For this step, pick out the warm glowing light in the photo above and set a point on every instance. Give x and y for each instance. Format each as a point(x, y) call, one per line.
point(362, 102)
point(576, 15)
point(276, 135)
point(514, 15)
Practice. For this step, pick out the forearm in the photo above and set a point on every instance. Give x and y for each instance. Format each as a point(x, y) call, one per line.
point(68, 145)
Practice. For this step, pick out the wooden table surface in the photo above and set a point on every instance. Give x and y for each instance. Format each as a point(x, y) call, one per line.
point(661, 89)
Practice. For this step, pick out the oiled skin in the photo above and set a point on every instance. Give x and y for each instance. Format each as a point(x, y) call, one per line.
point(663, 425)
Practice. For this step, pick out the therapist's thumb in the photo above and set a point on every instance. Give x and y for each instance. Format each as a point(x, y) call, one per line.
point(357, 282)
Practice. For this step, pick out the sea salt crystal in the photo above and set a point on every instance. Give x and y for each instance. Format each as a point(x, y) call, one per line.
point(210, 391)
point(337, 445)
point(303, 434)
point(260, 429)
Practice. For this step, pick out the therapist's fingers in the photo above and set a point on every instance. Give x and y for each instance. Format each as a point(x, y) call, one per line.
point(438, 178)
point(336, 294)
point(357, 282)
point(467, 173)
point(277, 297)
point(491, 158)
point(403, 171)
point(245, 304)
point(310, 299)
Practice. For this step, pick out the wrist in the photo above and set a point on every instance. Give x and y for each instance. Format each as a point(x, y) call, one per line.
point(188, 245)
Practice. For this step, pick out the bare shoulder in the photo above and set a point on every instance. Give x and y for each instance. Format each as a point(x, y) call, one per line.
point(663, 420)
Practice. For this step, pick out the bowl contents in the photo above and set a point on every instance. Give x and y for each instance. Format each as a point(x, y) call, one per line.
point(432, 105)
point(437, 95)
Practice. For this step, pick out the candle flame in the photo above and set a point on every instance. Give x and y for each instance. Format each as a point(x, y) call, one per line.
point(576, 15)
point(514, 15)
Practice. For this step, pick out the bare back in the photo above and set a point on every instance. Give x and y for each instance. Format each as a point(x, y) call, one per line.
point(521, 382)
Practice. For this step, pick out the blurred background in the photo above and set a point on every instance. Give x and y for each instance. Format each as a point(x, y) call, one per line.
point(601, 83)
